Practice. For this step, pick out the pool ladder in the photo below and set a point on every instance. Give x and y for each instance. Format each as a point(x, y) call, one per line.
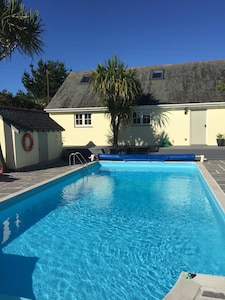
point(80, 158)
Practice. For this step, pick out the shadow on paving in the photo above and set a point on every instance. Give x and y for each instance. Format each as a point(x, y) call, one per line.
point(7, 178)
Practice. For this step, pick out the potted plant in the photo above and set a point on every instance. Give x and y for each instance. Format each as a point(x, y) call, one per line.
point(220, 139)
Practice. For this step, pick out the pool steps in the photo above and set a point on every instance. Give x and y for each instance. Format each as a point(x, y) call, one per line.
point(81, 160)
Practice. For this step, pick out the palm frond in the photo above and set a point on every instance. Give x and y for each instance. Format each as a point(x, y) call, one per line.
point(118, 87)
point(19, 29)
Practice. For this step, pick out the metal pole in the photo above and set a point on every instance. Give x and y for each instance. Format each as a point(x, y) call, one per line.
point(47, 78)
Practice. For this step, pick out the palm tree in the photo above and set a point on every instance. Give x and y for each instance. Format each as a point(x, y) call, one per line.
point(19, 29)
point(118, 88)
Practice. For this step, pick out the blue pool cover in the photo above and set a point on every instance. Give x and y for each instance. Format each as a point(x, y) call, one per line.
point(147, 157)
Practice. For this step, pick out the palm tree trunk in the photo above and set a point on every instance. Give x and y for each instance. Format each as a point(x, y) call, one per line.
point(115, 126)
point(2, 161)
point(115, 137)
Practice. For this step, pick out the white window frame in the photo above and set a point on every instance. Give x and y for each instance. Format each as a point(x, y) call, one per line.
point(141, 118)
point(83, 120)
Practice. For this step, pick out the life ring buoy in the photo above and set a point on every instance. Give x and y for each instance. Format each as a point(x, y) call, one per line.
point(27, 142)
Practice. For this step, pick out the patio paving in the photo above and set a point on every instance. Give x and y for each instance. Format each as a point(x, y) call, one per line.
point(216, 168)
point(15, 182)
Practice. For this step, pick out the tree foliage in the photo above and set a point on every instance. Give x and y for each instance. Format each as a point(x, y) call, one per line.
point(21, 100)
point(221, 86)
point(43, 82)
point(20, 29)
point(118, 88)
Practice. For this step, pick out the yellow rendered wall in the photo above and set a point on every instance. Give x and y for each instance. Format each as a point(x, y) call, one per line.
point(2, 137)
point(27, 158)
point(54, 145)
point(177, 128)
point(98, 132)
point(215, 124)
point(24, 158)
point(11, 146)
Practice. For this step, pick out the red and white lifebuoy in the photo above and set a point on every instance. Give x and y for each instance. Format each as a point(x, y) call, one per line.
point(27, 142)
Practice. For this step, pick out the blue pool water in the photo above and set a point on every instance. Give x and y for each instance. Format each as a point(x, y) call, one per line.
point(125, 231)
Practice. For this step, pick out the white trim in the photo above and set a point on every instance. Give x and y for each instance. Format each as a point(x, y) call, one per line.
point(186, 105)
point(76, 110)
point(15, 129)
point(104, 109)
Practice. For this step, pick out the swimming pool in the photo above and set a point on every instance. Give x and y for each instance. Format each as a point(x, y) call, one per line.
point(125, 231)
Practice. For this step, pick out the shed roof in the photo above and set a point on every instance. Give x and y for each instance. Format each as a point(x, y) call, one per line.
point(29, 120)
point(180, 83)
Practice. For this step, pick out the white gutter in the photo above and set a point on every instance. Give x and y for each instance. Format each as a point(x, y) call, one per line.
point(188, 105)
point(104, 109)
point(72, 109)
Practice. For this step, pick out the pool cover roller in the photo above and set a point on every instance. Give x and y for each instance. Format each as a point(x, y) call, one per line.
point(147, 157)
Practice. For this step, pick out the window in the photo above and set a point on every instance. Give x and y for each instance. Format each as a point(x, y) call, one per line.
point(87, 119)
point(143, 118)
point(136, 118)
point(146, 118)
point(157, 74)
point(85, 79)
point(82, 120)
point(78, 119)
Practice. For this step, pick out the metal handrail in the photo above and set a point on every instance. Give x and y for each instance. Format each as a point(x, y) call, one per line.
point(80, 158)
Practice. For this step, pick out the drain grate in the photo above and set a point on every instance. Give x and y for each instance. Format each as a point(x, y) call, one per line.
point(213, 295)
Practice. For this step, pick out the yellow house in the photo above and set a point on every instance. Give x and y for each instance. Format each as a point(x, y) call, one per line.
point(180, 103)
point(28, 138)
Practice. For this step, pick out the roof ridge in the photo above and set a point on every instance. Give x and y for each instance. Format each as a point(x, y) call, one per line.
point(184, 63)
point(21, 109)
point(161, 65)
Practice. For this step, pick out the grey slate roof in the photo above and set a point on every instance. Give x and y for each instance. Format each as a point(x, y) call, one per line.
point(181, 83)
point(29, 120)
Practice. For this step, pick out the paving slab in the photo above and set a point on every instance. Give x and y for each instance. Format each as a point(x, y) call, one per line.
point(16, 182)
point(201, 287)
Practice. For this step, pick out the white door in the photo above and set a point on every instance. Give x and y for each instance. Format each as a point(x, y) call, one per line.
point(198, 127)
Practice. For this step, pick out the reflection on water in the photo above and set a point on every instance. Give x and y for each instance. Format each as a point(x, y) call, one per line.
point(21, 216)
point(17, 222)
point(6, 231)
point(9, 226)
point(100, 187)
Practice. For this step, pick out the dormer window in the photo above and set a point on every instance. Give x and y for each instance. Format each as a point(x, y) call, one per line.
point(85, 79)
point(157, 74)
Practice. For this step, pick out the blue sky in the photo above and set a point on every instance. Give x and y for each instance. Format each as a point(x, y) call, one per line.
point(82, 34)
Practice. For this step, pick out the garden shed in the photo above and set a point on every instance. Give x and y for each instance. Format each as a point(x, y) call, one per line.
point(28, 137)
